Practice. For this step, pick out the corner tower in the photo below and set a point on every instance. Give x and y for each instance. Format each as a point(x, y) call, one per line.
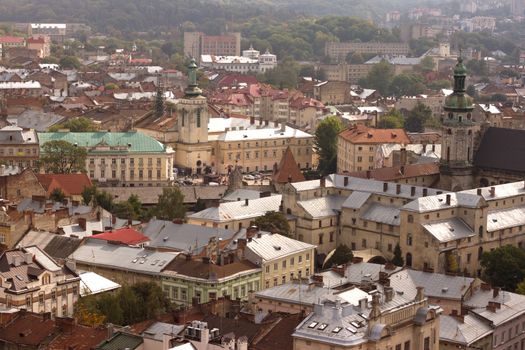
point(458, 135)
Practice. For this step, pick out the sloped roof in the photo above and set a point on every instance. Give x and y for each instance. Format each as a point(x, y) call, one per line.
point(125, 235)
point(493, 152)
point(274, 246)
point(467, 332)
point(364, 134)
point(288, 169)
point(70, 184)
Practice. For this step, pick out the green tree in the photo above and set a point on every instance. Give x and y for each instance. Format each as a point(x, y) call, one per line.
point(379, 78)
point(159, 103)
point(171, 204)
point(104, 200)
point(520, 288)
point(325, 144)
point(285, 75)
point(168, 48)
point(398, 256)
point(417, 118)
point(69, 62)
point(426, 65)
point(341, 256)
point(62, 157)
point(88, 193)
point(129, 209)
point(274, 222)
point(80, 124)
point(57, 195)
point(110, 86)
point(439, 84)
point(392, 120)
point(504, 267)
point(407, 84)
point(354, 58)
point(199, 205)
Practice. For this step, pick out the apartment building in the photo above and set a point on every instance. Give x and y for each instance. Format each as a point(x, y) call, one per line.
point(357, 146)
point(339, 51)
point(19, 147)
point(121, 158)
point(33, 281)
point(281, 258)
point(351, 73)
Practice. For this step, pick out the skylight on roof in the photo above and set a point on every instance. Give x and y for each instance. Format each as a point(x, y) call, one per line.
point(337, 329)
point(313, 324)
point(363, 316)
point(323, 326)
point(355, 324)
point(351, 330)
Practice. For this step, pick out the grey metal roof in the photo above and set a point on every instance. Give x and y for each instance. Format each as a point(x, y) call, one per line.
point(512, 305)
point(182, 237)
point(356, 200)
point(438, 202)
point(158, 329)
point(101, 253)
point(382, 213)
point(297, 293)
point(37, 120)
point(356, 272)
point(239, 210)
point(465, 333)
point(322, 206)
point(274, 246)
point(436, 285)
point(242, 194)
point(449, 229)
point(500, 191)
point(28, 204)
point(505, 218)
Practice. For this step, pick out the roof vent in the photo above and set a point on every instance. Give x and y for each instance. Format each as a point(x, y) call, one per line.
point(276, 247)
point(444, 289)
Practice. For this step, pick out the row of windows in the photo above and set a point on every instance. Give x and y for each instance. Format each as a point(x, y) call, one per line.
point(291, 261)
point(284, 279)
point(256, 144)
point(114, 161)
point(123, 174)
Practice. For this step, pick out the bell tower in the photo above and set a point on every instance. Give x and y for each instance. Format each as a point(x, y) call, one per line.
point(458, 135)
point(192, 111)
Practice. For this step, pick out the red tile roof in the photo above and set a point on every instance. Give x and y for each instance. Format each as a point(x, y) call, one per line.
point(79, 338)
point(288, 169)
point(126, 236)
point(30, 330)
point(363, 134)
point(70, 184)
point(11, 40)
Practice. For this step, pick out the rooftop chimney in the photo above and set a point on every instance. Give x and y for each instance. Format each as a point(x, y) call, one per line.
point(420, 295)
point(275, 123)
point(82, 223)
point(345, 182)
point(322, 182)
point(493, 191)
point(389, 294)
point(283, 126)
point(448, 199)
point(252, 120)
point(495, 292)
point(425, 192)
point(398, 188)
point(478, 191)
point(246, 201)
point(403, 156)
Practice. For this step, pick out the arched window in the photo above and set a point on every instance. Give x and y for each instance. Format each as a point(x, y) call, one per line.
point(409, 239)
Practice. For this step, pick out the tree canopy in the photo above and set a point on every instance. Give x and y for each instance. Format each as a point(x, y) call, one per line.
point(418, 118)
point(171, 204)
point(62, 157)
point(342, 255)
point(504, 267)
point(80, 124)
point(274, 222)
point(326, 144)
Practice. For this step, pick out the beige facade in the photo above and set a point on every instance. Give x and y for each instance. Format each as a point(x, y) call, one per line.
point(357, 146)
point(19, 147)
point(350, 73)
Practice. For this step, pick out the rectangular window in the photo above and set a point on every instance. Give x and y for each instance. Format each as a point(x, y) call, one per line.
point(407, 345)
point(291, 261)
point(284, 264)
point(426, 343)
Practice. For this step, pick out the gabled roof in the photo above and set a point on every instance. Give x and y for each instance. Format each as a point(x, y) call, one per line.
point(493, 152)
point(288, 171)
point(465, 332)
point(70, 184)
point(274, 246)
point(125, 235)
point(29, 329)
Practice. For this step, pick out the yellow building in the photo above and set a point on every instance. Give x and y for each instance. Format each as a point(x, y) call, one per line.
point(281, 258)
point(357, 146)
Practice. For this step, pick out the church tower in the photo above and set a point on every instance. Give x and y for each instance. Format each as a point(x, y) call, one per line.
point(458, 136)
point(192, 111)
point(192, 147)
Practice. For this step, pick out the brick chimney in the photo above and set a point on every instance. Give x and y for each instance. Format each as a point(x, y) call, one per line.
point(322, 182)
point(82, 223)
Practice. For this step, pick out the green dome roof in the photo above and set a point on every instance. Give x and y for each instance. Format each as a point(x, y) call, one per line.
point(459, 101)
point(460, 68)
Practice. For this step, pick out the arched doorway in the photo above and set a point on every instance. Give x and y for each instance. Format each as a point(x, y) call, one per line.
point(408, 261)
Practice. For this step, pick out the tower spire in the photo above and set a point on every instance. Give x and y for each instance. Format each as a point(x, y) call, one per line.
point(192, 90)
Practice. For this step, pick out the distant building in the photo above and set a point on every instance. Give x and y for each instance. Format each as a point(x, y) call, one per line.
point(250, 61)
point(19, 146)
point(56, 31)
point(339, 51)
point(40, 43)
point(7, 42)
point(198, 43)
